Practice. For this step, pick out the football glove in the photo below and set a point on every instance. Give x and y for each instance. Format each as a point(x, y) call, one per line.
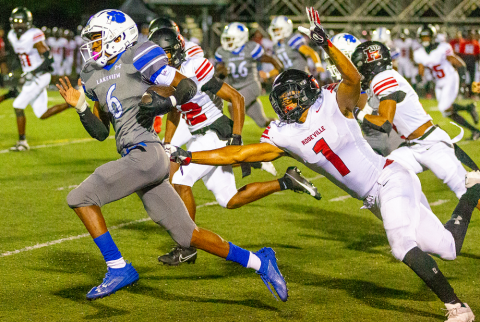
point(235, 139)
point(158, 106)
point(180, 156)
point(316, 32)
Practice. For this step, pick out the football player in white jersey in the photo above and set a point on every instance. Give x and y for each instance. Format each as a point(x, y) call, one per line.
point(440, 59)
point(211, 129)
point(191, 50)
point(69, 55)
point(28, 43)
point(317, 128)
point(404, 46)
point(425, 145)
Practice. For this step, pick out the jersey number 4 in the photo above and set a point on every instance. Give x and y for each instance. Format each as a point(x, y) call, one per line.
point(322, 147)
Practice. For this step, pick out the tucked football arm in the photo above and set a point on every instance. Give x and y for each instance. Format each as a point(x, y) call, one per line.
point(233, 154)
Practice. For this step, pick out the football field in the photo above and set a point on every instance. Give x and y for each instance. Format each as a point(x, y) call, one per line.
point(335, 257)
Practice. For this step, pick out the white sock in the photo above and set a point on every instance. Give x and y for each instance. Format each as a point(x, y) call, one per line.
point(254, 262)
point(118, 263)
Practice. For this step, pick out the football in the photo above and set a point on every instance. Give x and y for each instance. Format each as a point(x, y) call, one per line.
point(162, 90)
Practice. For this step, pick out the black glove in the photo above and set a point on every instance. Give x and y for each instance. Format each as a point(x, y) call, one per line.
point(180, 156)
point(235, 139)
point(316, 32)
point(158, 106)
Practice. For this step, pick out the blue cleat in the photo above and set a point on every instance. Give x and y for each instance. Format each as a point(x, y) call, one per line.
point(115, 279)
point(270, 273)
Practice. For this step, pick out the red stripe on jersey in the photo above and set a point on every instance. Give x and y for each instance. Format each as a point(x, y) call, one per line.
point(380, 83)
point(194, 52)
point(194, 48)
point(206, 73)
point(266, 137)
point(380, 88)
point(38, 36)
point(386, 88)
point(266, 130)
point(202, 69)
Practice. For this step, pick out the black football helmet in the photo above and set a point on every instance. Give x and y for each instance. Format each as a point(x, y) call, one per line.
point(371, 58)
point(160, 23)
point(293, 92)
point(173, 44)
point(427, 31)
point(21, 20)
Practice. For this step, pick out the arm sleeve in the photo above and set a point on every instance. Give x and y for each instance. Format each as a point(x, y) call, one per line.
point(204, 71)
point(384, 86)
point(218, 56)
point(297, 41)
point(194, 51)
point(151, 61)
point(257, 52)
point(93, 125)
point(38, 36)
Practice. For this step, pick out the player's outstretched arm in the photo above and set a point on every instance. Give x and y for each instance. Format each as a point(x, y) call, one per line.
point(349, 89)
point(232, 154)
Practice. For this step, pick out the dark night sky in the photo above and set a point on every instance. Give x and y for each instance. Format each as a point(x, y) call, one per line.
point(63, 13)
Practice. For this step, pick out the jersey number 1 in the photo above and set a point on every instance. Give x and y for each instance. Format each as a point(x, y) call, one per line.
point(322, 147)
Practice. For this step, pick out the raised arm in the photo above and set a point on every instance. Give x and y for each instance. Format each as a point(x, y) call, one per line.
point(349, 89)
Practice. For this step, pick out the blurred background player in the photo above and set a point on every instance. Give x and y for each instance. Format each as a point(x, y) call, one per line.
point(69, 53)
point(440, 59)
point(79, 62)
point(210, 129)
point(29, 44)
point(237, 59)
point(57, 45)
point(469, 51)
point(291, 48)
point(403, 44)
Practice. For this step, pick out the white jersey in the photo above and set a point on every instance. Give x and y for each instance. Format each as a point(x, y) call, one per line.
point(403, 47)
point(57, 46)
point(200, 111)
point(436, 61)
point(193, 50)
point(330, 144)
point(70, 47)
point(23, 47)
point(409, 113)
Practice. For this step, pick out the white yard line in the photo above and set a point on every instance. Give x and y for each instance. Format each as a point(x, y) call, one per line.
point(61, 240)
point(342, 198)
point(439, 202)
point(61, 143)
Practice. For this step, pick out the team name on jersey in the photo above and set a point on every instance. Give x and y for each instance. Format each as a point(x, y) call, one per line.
point(240, 56)
point(109, 77)
point(313, 135)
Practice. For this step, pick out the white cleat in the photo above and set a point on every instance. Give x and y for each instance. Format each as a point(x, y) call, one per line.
point(458, 313)
point(472, 178)
point(269, 167)
point(21, 146)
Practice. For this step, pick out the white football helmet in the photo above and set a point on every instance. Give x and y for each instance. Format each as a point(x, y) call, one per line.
point(347, 44)
point(280, 28)
point(382, 35)
point(110, 24)
point(234, 36)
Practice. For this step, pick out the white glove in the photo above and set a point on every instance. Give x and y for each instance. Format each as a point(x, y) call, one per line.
point(367, 109)
point(82, 103)
point(472, 178)
point(169, 149)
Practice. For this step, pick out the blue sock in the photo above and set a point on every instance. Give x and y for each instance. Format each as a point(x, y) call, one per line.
point(238, 255)
point(107, 246)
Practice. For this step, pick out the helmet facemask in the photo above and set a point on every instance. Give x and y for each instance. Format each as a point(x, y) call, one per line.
point(19, 25)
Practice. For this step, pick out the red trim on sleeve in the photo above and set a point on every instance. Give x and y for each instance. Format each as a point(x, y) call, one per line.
point(206, 73)
point(385, 88)
point(381, 82)
point(191, 53)
point(378, 89)
point(202, 71)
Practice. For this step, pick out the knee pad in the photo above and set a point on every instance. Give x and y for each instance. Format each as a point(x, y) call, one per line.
point(400, 242)
point(19, 112)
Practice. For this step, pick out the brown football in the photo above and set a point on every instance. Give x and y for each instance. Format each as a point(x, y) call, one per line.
point(162, 90)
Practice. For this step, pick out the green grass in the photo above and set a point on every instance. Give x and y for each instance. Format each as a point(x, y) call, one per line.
point(335, 257)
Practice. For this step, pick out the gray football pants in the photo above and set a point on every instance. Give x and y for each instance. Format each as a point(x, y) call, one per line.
point(253, 106)
point(144, 171)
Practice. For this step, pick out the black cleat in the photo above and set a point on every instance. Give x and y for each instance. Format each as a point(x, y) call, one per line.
point(12, 93)
point(475, 136)
point(472, 109)
point(298, 183)
point(179, 255)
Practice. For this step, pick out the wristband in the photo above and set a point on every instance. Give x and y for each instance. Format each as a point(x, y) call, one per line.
point(81, 103)
point(359, 114)
point(174, 100)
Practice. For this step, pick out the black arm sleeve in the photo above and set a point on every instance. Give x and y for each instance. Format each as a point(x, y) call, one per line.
point(46, 65)
point(213, 85)
point(185, 91)
point(94, 125)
